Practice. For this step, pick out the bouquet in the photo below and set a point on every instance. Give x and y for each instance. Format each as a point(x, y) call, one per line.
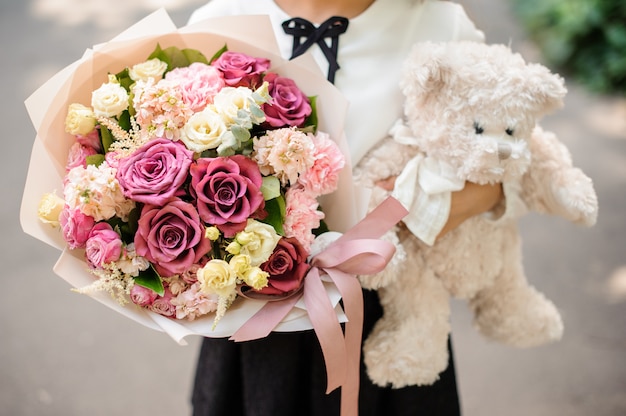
point(191, 177)
point(192, 180)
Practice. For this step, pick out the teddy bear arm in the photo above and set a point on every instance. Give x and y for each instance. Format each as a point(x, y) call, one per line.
point(553, 185)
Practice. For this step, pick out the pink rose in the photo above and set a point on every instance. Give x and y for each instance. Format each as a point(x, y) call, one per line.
point(142, 296)
point(155, 171)
point(287, 267)
point(163, 304)
point(301, 215)
point(323, 177)
point(77, 156)
point(241, 70)
point(103, 246)
point(289, 106)
point(75, 226)
point(198, 83)
point(92, 140)
point(171, 237)
point(228, 191)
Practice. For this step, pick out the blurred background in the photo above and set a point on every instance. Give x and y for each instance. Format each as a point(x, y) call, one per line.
point(64, 354)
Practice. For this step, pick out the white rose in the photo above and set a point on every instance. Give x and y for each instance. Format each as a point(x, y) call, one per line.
point(258, 240)
point(229, 101)
point(80, 120)
point(203, 131)
point(50, 207)
point(153, 68)
point(109, 100)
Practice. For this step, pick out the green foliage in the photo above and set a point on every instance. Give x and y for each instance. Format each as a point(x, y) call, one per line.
point(584, 38)
point(176, 58)
point(150, 279)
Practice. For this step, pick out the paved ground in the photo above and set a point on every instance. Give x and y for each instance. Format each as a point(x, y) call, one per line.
point(62, 354)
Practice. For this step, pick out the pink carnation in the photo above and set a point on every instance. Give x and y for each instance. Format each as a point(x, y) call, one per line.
point(198, 84)
point(194, 303)
point(286, 153)
point(301, 216)
point(323, 177)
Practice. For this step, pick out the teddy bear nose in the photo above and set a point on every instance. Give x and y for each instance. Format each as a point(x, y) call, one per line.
point(504, 151)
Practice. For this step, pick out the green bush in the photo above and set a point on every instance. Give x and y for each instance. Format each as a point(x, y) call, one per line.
point(583, 38)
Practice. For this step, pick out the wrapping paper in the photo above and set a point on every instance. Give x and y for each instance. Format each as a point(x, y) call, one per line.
point(47, 109)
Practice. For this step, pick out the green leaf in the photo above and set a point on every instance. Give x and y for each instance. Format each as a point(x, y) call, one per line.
point(175, 57)
point(95, 160)
point(106, 137)
point(275, 214)
point(124, 120)
point(194, 55)
point(312, 119)
point(218, 53)
point(124, 79)
point(270, 187)
point(150, 279)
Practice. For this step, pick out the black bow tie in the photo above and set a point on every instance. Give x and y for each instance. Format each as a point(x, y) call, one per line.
point(303, 29)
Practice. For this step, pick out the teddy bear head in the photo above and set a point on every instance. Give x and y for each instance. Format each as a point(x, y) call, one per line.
point(475, 105)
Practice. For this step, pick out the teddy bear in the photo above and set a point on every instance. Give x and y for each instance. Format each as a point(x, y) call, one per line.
point(471, 114)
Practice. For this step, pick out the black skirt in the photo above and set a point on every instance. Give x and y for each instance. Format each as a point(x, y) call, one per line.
point(284, 375)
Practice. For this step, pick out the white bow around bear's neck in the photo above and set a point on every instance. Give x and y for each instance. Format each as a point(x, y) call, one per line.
point(425, 188)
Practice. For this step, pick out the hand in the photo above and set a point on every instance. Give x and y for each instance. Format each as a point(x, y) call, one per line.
point(472, 200)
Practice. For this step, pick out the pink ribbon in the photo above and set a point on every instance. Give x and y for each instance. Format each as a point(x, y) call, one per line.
point(357, 252)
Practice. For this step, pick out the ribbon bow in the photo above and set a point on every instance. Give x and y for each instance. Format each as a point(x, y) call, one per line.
point(358, 251)
point(301, 28)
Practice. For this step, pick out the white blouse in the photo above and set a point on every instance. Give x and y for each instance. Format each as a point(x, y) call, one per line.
point(370, 54)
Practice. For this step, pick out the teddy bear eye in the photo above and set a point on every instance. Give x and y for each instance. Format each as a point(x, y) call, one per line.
point(478, 128)
point(509, 131)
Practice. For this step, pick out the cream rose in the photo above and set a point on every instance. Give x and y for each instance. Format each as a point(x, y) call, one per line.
point(110, 99)
point(50, 207)
point(152, 68)
point(217, 277)
point(240, 264)
point(80, 120)
point(203, 131)
point(256, 278)
point(212, 233)
point(258, 241)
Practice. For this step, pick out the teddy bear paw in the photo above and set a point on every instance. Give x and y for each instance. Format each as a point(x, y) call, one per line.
point(526, 319)
point(397, 360)
point(578, 199)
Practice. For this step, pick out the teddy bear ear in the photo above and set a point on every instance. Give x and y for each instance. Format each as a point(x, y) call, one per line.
point(547, 88)
point(425, 70)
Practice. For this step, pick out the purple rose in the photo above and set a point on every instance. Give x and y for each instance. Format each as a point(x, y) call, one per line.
point(228, 191)
point(241, 70)
point(289, 106)
point(155, 171)
point(287, 267)
point(142, 296)
point(171, 237)
point(75, 226)
point(103, 246)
